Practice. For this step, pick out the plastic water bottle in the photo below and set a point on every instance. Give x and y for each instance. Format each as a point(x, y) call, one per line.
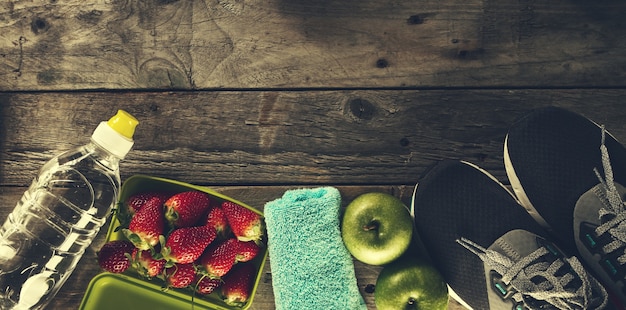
point(59, 215)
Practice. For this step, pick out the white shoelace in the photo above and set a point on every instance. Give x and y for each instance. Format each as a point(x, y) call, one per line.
point(613, 215)
point(536, 276)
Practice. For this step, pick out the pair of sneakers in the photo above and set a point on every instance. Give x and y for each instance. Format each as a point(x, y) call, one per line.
point(558, 241)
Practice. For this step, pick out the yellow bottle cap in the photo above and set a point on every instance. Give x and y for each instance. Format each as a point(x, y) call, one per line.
point(123, 123)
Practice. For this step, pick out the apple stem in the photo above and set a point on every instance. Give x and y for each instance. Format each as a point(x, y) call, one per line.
point(411, 302)
point(373, 225)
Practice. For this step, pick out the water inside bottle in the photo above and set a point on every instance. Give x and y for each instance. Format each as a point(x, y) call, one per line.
point(44, 237)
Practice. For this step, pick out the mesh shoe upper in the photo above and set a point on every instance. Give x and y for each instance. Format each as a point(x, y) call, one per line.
point(550, 156)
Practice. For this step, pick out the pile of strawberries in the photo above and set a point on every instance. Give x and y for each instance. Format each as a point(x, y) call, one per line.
point(188, 240)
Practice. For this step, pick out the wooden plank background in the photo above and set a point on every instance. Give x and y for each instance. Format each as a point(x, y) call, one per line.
point(200, 44)
point(254, 97)
point(288, 137)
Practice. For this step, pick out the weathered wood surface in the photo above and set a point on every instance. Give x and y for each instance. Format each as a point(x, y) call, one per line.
point(199, 44)
point(297, 137)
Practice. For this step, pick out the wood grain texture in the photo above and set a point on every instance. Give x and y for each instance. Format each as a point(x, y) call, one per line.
point(287, 137)
point(200, 44)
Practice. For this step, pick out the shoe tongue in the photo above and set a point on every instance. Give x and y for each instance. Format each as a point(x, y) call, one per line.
point(517, 244)
point(589, 204)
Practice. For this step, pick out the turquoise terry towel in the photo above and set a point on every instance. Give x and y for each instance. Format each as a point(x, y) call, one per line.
point(311, 267)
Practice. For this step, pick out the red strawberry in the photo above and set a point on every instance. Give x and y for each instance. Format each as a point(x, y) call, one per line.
point(238, 284)
point(246, 224)
point(136, 201)
point(180, 275)
point(185, 245)
point(113, 256)
point(216, 218)
point(186, 208)
point(206, 285)
point(219, 258)
point(147, 225)
point(247, 250)
point(146, 265)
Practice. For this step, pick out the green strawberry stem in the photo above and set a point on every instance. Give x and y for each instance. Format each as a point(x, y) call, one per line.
point(235, 300)
point(136, 239)
point(171, 216)
point(122, 215)
point(254, 233)
point(165, 253)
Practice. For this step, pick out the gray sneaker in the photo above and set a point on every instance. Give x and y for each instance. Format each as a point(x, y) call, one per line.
point(492, 254)
point(569, 173)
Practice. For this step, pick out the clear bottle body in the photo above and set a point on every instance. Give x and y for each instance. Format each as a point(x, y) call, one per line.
point(53, 223)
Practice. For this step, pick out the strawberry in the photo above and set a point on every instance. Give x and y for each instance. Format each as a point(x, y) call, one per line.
point(185, 245)
point(246, 224)
point(206, 285)
point(113, 256)
point(146, 265)
point(180, 275)
point(219, 258)
point(238, 284)
point(147, 225)
point(184, 209)
point(216, 218)
point(247, 250)
point(136, 201)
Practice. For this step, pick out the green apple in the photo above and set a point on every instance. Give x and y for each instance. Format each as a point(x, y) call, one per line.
point(410, 283)
point(376, 228)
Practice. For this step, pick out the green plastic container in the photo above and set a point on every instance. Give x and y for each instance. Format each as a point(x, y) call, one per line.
point(130, 291)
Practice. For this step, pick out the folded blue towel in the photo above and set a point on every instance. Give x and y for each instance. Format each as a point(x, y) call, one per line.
point(311, 267)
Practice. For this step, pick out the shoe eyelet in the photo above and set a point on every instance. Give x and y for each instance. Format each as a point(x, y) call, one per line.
point(594, 244)
point(589, 238)
point(501, 288)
